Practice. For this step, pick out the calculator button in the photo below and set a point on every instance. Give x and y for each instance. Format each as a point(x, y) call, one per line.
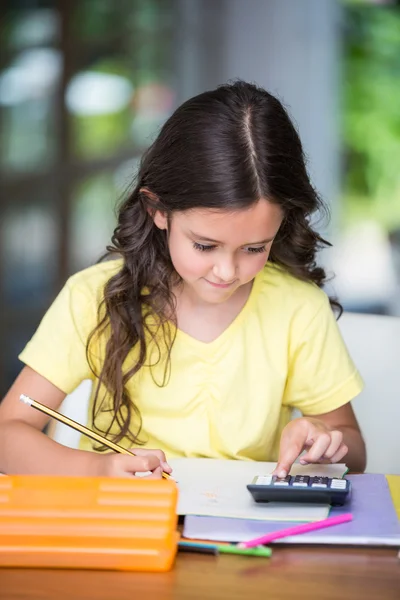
point(338, 484)
point(264, 480)
point(284, 481)
point(301, 481)
point(320, 482)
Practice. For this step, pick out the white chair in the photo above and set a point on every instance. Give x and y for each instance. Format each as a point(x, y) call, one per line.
point(374, 344)
point(75, 406)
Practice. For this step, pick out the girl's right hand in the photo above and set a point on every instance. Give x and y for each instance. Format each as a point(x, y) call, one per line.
point(123, 465)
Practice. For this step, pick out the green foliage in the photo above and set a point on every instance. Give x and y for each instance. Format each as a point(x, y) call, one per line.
point(372, 114)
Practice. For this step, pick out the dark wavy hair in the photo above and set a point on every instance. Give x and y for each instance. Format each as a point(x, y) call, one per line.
point(223, 149)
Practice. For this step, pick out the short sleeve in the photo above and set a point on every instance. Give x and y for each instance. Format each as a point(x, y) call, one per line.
point(57, 350)
point(321, 375)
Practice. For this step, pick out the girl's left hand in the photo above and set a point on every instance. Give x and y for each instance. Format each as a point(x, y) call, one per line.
point(322, 443)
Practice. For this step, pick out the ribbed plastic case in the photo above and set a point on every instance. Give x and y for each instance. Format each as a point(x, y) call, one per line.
point(88, 523)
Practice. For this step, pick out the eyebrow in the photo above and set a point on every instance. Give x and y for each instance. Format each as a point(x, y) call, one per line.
point(207, 239)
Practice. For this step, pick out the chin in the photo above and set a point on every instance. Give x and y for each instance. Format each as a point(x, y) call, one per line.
point(217, 298)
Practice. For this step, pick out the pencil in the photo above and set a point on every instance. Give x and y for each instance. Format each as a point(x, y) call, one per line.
point(210, 548)
point(78, 427)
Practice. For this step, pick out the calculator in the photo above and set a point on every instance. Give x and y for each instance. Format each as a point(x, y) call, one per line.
point(300, 488)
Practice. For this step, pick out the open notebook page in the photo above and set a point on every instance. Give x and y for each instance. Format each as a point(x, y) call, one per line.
point(211, 487)
point(374, 523)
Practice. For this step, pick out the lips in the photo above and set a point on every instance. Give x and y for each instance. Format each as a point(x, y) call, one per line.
point(220, 285)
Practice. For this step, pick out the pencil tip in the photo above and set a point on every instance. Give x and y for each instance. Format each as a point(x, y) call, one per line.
point(168, 477)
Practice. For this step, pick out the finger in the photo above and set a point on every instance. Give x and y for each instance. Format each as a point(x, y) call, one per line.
point(336, 442)
point(159, 453)
point(156, 474)
point(134, 464)
point(343, 450)
point(290, 448)
point(318, 449)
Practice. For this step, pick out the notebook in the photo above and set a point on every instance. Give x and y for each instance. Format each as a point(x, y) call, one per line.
point(211, 487)
point(374, 522)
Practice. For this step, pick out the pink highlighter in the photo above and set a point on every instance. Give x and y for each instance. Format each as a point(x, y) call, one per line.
point(296, 530)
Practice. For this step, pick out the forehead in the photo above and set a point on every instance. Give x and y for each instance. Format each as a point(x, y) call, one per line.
point(262, 220)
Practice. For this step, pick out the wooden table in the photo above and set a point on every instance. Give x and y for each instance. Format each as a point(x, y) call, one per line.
point(293, 572)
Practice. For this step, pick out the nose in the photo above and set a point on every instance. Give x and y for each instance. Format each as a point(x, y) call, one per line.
point(225, 269)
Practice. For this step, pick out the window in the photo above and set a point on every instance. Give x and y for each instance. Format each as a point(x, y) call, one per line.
point(83, 86)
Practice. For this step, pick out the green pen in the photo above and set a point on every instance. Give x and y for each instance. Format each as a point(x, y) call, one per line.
point(207, 548)
point(256, 551)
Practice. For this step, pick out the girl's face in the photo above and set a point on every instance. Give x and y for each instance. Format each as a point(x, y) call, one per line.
point(216, 252)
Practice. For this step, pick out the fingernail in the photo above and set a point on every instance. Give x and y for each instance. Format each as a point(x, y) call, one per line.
point(282, 473)
point(166, 467)
point(303, 462)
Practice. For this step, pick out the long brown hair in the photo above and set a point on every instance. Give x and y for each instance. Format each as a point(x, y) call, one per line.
point(223, 149)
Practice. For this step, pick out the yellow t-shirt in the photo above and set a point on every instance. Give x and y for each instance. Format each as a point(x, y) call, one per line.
point(229, 398)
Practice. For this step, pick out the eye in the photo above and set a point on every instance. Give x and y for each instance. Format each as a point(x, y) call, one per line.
point(202, 247)
point(256, 250)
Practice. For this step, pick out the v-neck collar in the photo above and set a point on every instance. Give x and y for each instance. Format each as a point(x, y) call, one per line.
point(232, 326)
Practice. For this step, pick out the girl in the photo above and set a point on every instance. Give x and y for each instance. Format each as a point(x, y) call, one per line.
point(209, 325)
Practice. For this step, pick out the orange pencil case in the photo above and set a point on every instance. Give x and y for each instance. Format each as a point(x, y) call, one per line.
point(88, 523)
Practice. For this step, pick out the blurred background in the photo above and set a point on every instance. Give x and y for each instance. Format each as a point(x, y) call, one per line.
point(86, 84)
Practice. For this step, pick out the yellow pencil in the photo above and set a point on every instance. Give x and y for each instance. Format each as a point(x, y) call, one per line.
point(81, 428)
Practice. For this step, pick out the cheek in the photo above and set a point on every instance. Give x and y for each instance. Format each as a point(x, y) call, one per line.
point(253, 265)
point(197, 263)
point(188, 261)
